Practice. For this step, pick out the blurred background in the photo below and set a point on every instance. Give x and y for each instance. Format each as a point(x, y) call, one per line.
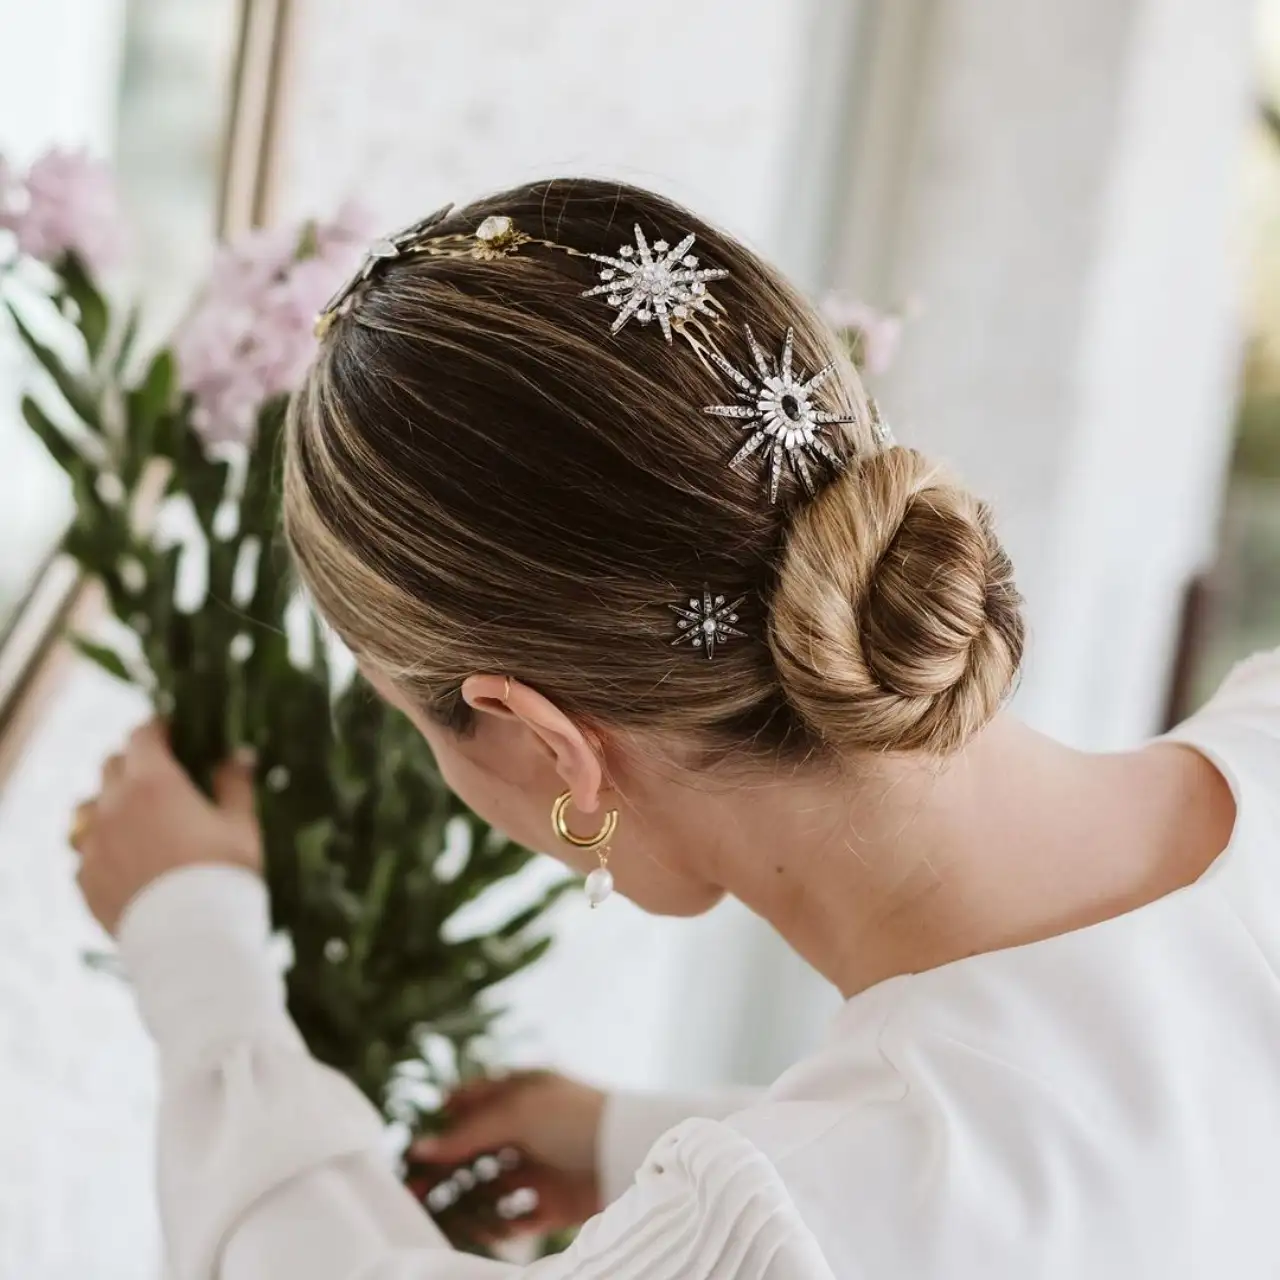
point(1079, 205)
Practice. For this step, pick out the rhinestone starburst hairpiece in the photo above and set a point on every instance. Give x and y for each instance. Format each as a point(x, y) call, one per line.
point(777, 407)
point(775, 402)
point(661, 283)
point(707, 622)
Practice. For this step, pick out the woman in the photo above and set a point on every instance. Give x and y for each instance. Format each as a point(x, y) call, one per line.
point(606, 512)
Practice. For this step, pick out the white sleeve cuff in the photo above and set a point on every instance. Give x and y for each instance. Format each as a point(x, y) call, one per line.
point(634, 1121)
point(195, 943)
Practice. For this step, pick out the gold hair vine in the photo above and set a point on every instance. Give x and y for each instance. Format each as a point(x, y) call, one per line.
point(658, 283)
point(378, 252)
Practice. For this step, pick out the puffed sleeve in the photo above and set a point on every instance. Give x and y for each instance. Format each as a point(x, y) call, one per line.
point(634, 1120)
point(271, 1164)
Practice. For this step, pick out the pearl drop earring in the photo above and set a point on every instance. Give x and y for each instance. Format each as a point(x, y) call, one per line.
point(599, 884)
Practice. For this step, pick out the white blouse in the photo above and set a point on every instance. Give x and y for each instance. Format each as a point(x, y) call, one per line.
point(1101, 1104)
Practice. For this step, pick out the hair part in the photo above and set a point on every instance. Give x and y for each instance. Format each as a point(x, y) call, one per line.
point(480, 477)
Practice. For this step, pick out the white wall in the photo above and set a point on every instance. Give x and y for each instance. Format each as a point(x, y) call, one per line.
point(717, 103)
point(1060, 199)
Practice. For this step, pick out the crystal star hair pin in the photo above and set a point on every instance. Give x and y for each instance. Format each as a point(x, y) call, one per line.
point(777, 406)
point(707, 622)
point(659, 283)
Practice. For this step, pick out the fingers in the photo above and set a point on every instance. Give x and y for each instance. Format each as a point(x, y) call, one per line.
point(112, 770)
point(147, 750)
point(233, 785)
point(479, 1093)
point(527, 1200)
point(149, 739)
point(483, 1115)
point(473, 1135)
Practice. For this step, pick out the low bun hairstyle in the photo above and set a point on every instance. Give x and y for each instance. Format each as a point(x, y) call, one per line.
point(480, 477)
point(895, 624)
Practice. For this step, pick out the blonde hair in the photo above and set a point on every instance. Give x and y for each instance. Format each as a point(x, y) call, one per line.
point(479, 477)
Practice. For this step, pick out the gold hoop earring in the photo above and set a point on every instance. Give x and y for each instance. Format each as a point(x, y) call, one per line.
point(599, 884)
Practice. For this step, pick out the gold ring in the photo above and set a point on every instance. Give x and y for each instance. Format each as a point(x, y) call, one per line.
point(79, 826)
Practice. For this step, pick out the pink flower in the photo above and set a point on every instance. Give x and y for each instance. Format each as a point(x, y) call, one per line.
point(250, 336)
point(67, 203)
point(875, 335)
point(352, 223)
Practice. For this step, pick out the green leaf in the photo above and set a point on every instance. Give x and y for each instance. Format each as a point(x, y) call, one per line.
point(206, 485)
point(84, 549)
point(149, 401)
point(128, 336)
point(81, 399)
point(100, 655)
point(61, 450)
point(94, 319)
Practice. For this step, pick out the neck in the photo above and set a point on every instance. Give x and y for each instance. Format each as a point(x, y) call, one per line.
point(917, 864)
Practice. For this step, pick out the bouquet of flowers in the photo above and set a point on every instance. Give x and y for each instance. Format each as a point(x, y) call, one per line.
point(171, 456)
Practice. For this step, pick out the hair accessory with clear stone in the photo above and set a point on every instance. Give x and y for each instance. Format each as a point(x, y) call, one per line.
point(496, 237)
point(707, 622)
point(880, 429)
point(661, 283)
point(777, 407)
point(378, 252)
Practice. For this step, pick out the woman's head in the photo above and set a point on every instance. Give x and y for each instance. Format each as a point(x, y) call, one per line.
point(482, 478)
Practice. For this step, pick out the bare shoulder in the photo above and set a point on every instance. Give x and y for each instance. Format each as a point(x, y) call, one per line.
point(1198, 808)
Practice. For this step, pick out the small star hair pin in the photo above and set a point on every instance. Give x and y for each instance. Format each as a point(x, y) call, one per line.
point(777, 407)
point(659, 283)
point(707, 622)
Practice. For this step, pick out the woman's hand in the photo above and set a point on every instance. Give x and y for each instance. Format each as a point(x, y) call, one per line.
point(552, 1121)
point(150, 818)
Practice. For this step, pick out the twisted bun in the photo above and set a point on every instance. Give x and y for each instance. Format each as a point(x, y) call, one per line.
point(895, 624)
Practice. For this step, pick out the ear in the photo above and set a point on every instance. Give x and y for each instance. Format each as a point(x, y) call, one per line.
point(576, 757)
